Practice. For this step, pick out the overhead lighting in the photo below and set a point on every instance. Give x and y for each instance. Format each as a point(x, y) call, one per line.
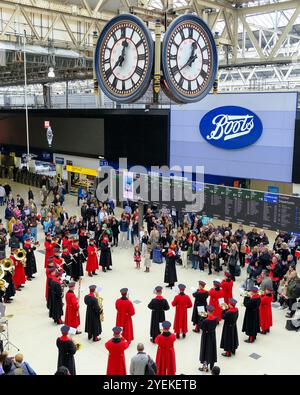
point(51, 73)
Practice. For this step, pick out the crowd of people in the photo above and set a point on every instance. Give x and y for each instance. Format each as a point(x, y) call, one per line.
point(75, 245)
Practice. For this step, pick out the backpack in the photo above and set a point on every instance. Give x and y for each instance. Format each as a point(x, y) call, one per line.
point(295, 289)
point(150, 368)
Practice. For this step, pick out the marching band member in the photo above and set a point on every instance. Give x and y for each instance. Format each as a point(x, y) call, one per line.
point(105, 257)
point(92, 263)
point(229, 340)
point(158, 305)
point(170, 270)
point(49, 246)
point(215, 294)
point(19, 277)
point(208, 348)
point(56, 304)
point(10, 290)
point(200, 296)
point(265, 311)
point(77, 269)
point(67, 261)
point(65, 242)
point(125, 310)
point(49, 270)
point(165, 356)
point(116, 364)
point(50, 274)
point(72, 317)
point(30, 268)
point(66, 351)
point(93, 325)
point(251, 318)
point(227, 285)
point(181, 302)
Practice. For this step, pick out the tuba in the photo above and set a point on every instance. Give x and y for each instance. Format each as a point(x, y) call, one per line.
point(20, 255)
point(100, 303)
point(8, 265)
point(3, 285)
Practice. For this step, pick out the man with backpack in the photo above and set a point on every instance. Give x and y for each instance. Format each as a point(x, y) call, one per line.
point(142, 364)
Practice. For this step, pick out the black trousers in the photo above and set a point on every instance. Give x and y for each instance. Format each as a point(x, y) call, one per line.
point(116, 238)
point(242, 259)
point(275, 289)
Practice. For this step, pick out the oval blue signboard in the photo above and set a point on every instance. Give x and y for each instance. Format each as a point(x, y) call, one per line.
point(231, 127)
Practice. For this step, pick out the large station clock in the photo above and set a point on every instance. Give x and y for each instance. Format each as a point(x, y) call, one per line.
point(189, 59)
point(124, 58)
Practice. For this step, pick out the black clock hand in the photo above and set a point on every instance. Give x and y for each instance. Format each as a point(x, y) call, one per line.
point(192, 58)
point(125, 45)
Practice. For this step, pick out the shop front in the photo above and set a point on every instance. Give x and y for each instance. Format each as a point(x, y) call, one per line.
point(81, 177)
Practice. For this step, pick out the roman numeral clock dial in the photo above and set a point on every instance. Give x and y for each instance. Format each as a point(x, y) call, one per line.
point(189, 59)
point(124, 58)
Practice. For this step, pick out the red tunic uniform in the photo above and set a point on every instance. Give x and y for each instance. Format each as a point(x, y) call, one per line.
point(125, 310)
point(181, 302)
point(65, 243)
point(265, 312)
point(214, 301)
point(165, 356)
point(116, 364)
point(19, 277)
point(227, 290)
point(72, 317)
point(92, 263)
point(49, 247)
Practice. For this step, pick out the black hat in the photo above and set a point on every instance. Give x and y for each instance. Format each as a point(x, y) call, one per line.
point(166, 325)
point(158, 288)
point(210, 308)
point(117, 330)
point(232, 301)
point(92, 287)
point(50, 259)
point(203, 283)
point(181, 286)
point(124, 290)
point(65, 329)
point(71, 284)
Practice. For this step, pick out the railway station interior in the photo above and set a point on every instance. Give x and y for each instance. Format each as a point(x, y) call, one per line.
point(149, 187)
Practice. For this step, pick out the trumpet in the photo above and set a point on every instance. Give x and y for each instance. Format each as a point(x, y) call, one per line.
point(8, 265)
point(20, 255)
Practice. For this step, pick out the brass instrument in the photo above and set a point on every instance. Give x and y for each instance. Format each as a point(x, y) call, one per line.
point(3, 285)
point(20, 255)
point(77, 344)
point(261, 292)
point(2, 272)
point(224, 306)
point(100, 302)
point(203, 314)
point(8, 265)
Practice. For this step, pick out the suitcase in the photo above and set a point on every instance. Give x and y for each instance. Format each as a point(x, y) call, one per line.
point(157, 255)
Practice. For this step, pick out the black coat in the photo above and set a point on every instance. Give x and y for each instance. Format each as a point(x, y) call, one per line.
point(30, 267)
point(200, 300)
point(105, 257)
point(170, 270)
point(77, 269)
point(208, 348)
point(10, 290)
point(251, 319)
point(66, 351)
point(56, 306)
point(158, 307)
point(229, 339)
point(67, 265)
point(92, 319)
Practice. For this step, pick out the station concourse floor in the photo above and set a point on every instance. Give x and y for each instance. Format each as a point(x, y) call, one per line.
point(35, 334)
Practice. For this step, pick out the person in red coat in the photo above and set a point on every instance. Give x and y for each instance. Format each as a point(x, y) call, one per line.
point(72, 317)
point(165, 356)
point(116, 364)
point(265, 311)
point(92, 263)
point(125, 310)
point(49, 270)
point(19, 277)
point(181, 302)
point(215, 294)
point(227, 285)
point(49, 248)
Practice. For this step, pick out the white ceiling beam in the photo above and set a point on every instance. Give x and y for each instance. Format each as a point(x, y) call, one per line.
point(28, 20)
point(10, 21)
point(252, 37)
point(267, 8)
point(71, 35)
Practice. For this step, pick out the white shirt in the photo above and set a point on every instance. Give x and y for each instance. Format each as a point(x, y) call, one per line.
point(2, 192)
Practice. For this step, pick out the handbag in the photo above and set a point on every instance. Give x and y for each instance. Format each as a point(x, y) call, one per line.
point(150, 368)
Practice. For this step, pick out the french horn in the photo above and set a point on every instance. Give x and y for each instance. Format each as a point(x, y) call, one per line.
point(8, 265)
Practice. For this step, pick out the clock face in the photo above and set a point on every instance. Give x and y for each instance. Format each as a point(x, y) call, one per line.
point(189, 59)
point(124, 58)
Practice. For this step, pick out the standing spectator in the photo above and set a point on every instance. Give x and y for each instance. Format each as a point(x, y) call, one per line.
point(140, 361)
point(124, 226)
point(28, 371)
point(2, 195)
point(44, 195)
point(30, 194)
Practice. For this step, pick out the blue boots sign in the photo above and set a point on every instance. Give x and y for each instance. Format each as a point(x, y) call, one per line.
point(231, 127)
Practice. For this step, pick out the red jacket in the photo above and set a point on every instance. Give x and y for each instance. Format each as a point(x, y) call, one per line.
point(214, 301)
point(165, 356)
point(72, 317)
point(265, 312)
point(227, 290)
point(116, 364)
point(19, 277)
point(181, 302)
point(49, 251)
point(125, 310)
point(92, 263)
